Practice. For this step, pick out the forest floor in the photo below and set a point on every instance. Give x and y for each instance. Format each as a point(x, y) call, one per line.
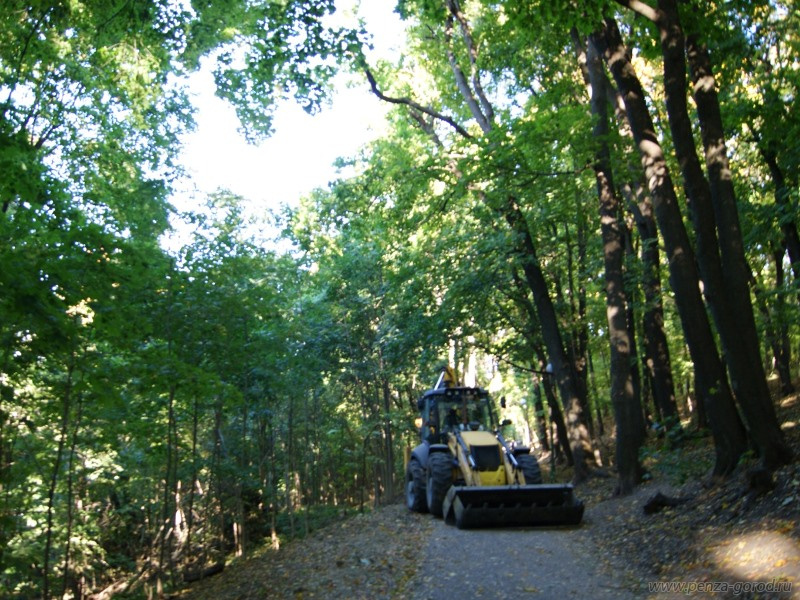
point(729, 540)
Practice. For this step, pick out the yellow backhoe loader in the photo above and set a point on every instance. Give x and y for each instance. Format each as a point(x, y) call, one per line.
point(465, 471)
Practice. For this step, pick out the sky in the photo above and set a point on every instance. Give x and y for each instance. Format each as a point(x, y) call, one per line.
point(299, 156)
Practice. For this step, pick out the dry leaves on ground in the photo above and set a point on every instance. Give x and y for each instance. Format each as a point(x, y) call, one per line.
point(369, 556)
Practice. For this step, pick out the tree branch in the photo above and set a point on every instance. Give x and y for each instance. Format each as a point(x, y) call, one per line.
point(426, 125)
point(472, 52)
point(415, 105)
point(641, 8)
point(462, 83)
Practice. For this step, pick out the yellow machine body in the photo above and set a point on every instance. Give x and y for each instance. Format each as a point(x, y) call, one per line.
point(483, 444)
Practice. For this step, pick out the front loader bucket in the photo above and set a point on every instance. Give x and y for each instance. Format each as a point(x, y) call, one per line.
point(492, 506)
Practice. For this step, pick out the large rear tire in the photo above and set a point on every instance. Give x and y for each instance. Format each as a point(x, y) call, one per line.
point(530, 468)
point(415, 487)
point(440, 478)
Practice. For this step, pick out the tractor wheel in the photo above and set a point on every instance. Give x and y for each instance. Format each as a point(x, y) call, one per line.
point(415, 487)
point(440, 478)
point(530, 468)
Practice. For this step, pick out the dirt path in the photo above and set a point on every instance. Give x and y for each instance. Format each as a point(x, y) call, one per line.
point(501, 564)
point(393, 554)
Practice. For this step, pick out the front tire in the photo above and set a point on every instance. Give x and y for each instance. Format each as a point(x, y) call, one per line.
point(530, 468)
point(415, 487)
point(440, 478)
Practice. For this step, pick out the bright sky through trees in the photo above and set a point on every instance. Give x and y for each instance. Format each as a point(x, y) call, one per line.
point(299, 156)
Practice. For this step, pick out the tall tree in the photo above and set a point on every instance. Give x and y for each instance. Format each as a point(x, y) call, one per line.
point(718, 238)
point(745, 364)
point(712, 383)
point(450, 20)
point(627, 406)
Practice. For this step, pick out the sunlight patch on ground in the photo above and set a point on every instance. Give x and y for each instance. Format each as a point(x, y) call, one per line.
point(759, 556)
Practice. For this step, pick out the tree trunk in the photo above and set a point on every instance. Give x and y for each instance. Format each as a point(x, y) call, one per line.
point(740, 336)
point(630, 312)
point(289, 467)
point(561, 442)
point(70, 500)
point(783, 354)
point(698, 193)
point(712, 384)
point(601, 430)
point(579, 332)
point(218, 455)
point(66, 407)
point(579, 439)
point(541, 422)
point(786, 219)
point(580, 363)
point(657, 358)
point(169, 492)
point(270, 481)
point(777, 331)
point(626, 405)
point(388, 436)
point(630, 320)
point(190, 508)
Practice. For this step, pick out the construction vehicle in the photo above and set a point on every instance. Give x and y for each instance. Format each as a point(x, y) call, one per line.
point(466, 472)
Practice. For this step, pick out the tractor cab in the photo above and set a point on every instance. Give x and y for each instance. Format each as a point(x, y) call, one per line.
point(447, 410)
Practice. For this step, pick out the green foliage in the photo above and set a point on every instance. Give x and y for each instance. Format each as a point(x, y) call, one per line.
point(159, 411)
point(282, 49)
